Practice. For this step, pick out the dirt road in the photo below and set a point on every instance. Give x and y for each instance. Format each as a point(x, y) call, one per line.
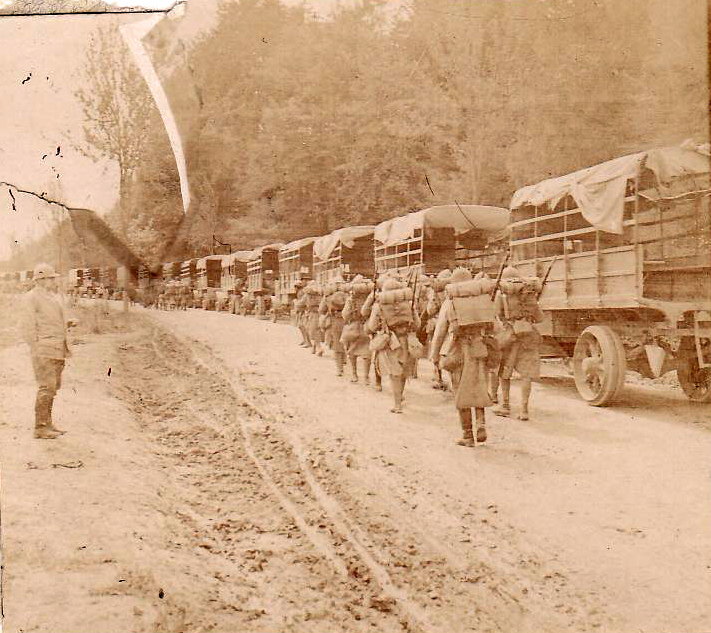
point(221, 478)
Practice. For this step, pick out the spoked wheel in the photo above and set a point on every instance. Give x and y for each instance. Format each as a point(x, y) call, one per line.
point(694, 380)
point(599, 364)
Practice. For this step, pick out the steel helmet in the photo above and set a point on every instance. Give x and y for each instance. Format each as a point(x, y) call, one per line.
point(44, 271)
point(509, 273)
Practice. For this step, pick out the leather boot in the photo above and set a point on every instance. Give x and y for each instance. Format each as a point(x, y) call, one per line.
point(43, 405)
point(480, 426)
point(50, 425)
point(465, 417)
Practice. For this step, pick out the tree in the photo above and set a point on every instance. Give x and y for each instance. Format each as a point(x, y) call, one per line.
point(117, 106)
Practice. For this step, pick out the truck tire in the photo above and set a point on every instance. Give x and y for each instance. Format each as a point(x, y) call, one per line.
point(695, 381)
point(599, 365)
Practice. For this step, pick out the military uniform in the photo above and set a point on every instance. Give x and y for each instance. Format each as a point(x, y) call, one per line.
point(44, 329)
point(313, 300)
point(519, 340)
point(355, 339)
point(331, 309)
point(393, 347)
point(301, 316)
point(466, 354)
point(432, 308)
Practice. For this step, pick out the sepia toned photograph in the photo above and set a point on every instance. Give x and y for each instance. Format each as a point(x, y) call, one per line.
point(352, 316)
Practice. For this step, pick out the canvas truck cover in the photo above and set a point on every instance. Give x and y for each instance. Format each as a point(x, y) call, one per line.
point(324, 246)
point(461, 218)
point(599, 191)
point(257, 252)
point(237, 256)
point(298, 244)
point(201, 263)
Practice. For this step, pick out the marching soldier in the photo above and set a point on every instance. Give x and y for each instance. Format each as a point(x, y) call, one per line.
point(301, 313)
point(463, 352)
point(493, 361)
point(394, 339)
point(354, 337)
point(365, 313)
point(517, 312)
point(434, 304)
point(315, 334)
point(331, 308)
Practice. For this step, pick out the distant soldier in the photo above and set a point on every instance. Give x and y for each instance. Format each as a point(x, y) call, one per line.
point(45, 331)
point(517, 311)
point(301, 314)
point(463, 351)
point(313, 293)
point(331, 310)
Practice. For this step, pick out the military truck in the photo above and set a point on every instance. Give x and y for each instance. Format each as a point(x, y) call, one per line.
point(627, 246)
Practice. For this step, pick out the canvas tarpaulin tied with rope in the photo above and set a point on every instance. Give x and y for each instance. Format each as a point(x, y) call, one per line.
point(324, 246)
point(599, 191)
point(461, 218)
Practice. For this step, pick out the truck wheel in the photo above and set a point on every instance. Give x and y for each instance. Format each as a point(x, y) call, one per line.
point(694, 380)
point(599, 364)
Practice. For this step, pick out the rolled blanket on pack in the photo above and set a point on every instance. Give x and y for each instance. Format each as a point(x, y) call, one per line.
point(530, 285)
point(396, 306)
point(362, 287)
point(472, 302)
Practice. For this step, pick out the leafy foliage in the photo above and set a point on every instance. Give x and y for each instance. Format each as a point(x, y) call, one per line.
point(295, 125)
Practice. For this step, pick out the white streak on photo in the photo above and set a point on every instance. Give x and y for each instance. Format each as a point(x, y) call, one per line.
point(133, 35)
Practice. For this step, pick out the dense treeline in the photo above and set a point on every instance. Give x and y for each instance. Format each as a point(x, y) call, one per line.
point(295, 125)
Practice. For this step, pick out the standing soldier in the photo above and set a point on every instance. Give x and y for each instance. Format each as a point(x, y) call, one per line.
point(45, 331)
point(517, 311)
point(463, 351)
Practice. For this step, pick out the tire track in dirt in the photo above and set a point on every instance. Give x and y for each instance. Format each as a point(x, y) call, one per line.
point(331, 516)
point(335, 513)
point(211, 455)
point(488, 593)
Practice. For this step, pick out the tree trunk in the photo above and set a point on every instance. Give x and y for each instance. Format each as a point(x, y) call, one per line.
point(124, 206)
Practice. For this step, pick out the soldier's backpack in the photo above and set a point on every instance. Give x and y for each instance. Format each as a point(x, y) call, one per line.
point(521, 297)
point(336, 300)
point(396, 307)
point(359, 294)
point(362, 288)
point(335, 286)
point(472, 301)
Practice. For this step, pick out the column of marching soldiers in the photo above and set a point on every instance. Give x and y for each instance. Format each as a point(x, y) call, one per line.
point(475, 329)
